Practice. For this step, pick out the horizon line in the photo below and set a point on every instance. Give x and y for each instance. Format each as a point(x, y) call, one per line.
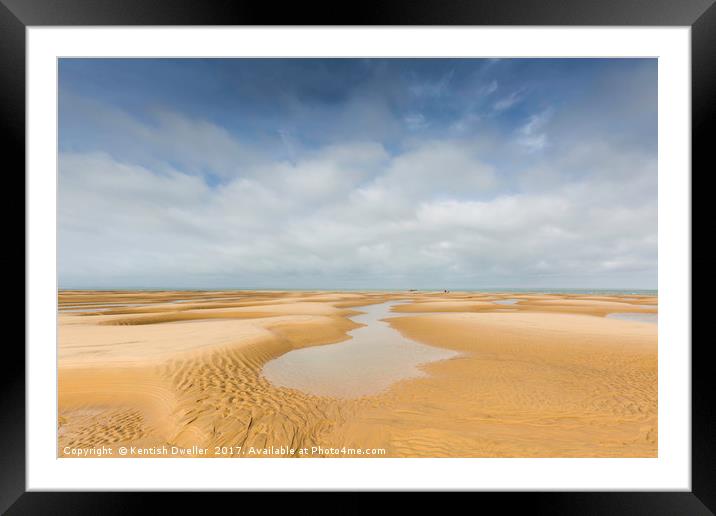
point(326, 289)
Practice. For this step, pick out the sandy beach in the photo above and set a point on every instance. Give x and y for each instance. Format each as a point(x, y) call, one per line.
point(501, 374)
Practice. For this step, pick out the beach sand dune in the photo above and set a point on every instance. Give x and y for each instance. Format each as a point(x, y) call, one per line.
point(547, 376)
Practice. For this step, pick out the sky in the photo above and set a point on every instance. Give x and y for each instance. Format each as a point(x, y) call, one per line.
point(357, 173)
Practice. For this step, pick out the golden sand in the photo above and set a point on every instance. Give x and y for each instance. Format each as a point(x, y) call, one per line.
point(549, 376)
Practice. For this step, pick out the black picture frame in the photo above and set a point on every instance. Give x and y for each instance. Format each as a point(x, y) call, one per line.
point(17, 15)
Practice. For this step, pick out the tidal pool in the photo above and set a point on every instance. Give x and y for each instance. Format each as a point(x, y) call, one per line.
point(371, 361)
point(636, 317)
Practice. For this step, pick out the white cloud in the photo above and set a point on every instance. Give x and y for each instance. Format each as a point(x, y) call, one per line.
point(532, 134)
point(508, 101)
point(194, 144)
point(349, 213)
point(352, 199)
point(416, 121)
point(436, 88)
point(488, 88)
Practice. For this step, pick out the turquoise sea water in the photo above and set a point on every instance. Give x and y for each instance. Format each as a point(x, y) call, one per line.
point(635, 317)
point(626, 291)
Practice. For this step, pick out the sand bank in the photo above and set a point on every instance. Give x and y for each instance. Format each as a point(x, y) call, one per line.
point(547, 376)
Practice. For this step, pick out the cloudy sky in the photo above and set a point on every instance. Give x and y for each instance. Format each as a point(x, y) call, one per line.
point(358, 173)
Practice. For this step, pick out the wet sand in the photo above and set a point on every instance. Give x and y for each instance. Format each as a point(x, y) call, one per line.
point(544, 375)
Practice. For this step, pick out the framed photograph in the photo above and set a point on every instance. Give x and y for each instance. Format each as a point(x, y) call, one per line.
point(428, 248)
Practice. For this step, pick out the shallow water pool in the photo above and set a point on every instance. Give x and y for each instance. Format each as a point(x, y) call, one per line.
point(636, 317)
point(376, 357)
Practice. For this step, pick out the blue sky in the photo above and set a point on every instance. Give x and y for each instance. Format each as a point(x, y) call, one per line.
point(358, 173)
